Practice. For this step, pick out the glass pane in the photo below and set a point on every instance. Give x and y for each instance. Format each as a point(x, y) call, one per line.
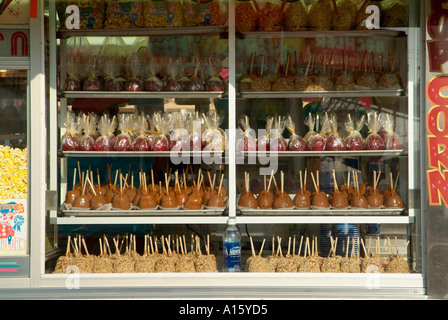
point(13, 162)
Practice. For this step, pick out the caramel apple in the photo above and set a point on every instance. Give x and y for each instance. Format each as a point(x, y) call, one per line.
point(194, 202)
point(247, 199)
point(265, 198)
point(392, 199)
point(120, 200)
point(302, 199)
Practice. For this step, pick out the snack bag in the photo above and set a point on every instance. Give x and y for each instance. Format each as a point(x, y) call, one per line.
point(153, 82)
point(70, 140)
point(247, 142)
point(93, 82)
point(161, 141)
point(318, 141)
point(142, 142)
point(123, 14)
point(203, 13)
point(373, 141)
point(392, 140)
point(123, 141)
point(310, 122)
point(277, 141)
point(106, 129)
point(179, 135)
point(334, 140)
point(214, 138)
point(163, 14)
point(263, 142)
point(173, 73)
point(196, 82)
point(87, 141)
point(214, 81)
point(73, 80)
point(91, 13)
point(354, 139)
point(296, 142)
point(134, 66)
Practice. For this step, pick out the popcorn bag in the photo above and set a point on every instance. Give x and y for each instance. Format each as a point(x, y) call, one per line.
point(247, 141)
point(214, 138)
point(296, 142)
point(123, 14)
point(334, 140)
point(392, 140)
point(373, 141)
point(70, 140)
point(354, 139)
point(204, 13)
point(106, 129)
point(142, 142)
point(277, 141)
point(263, 142)
point(163, 14)
point(123, 142)
point(91, 13)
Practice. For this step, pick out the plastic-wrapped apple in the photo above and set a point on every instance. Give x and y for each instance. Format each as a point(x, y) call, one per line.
point(317, 143)
point(92, 84)
point(296, 142)
point(392, 141)
point(335, 143)
point(247, 142)
point(160, 143)
point(277, 141)
point(373, 141)
point(70, 142)
point(354, 142)
point(134, 84)
point(123, 143)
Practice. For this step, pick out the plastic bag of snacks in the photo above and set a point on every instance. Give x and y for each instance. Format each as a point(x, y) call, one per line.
point(123, 14)
point(214, 81)
point(153, 82)
point(318, 141)
point(172, 68)
point(142, 142)
point(247, 141)
point(134, 66)
point(70, 139)
point(334, 140)
point(106, 129)
point(91, 13)
point(13, 173)
point(161, 141)
point(246, 15)
point(203, 13)
point(179, 135)
point(392, 140)
point(270, 15)
point(123, 141)
point(344, 15)
point(373, 141)
point(320, 15)
point(263, 142)
point(277, 141)
point(73, 79)
point(163, 14)
point(88, 125)
point(296, 142)
point(310, 122)
point(93, 82)
point(354, 139)
point(213, 137)
point(296, 16)
point(193, 125)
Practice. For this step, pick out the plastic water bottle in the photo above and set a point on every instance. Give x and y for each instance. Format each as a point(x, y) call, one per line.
point(232, 247)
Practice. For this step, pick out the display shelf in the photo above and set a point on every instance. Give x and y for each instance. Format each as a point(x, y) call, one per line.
point(358, 153)
point(143, 94)
point(160, 219)
point(327, 219)
point(142, 154)
point(311, 34)
point(323, 212)
point(135, 32)
point(323, 94)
